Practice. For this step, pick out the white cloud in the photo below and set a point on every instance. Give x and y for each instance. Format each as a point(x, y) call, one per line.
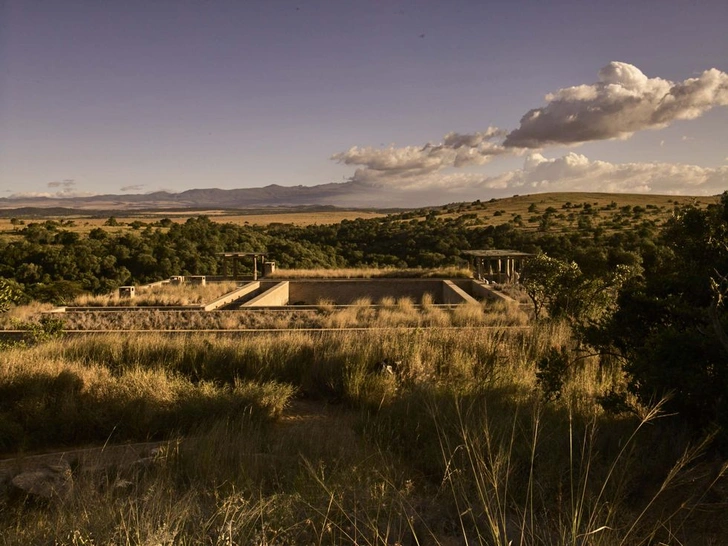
point(571, 172)
point(577, 172)
point(67, 189)
point(51, 195)
point(456, 150)
point(622, 102)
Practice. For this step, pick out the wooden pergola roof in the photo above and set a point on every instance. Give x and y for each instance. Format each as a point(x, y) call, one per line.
point(497, 253)
point(242, 254)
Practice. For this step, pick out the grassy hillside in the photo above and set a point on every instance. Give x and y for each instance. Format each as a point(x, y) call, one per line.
point(518, 209)
point(563, 210)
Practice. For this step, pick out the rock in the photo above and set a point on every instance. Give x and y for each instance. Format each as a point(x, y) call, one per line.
point(46, 481)
point(387, 366)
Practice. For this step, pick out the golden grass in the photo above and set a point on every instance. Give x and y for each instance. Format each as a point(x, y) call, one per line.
point(455, 446)
point(161, 295)
point(83, 224)
point(22, 314)
point(502, 210)
point(388, 312)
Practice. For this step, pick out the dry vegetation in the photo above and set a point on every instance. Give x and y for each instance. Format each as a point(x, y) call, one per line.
point(83, 224)
point(490, 212)
point(452, 444)
point(363, 313)
point(161, 295)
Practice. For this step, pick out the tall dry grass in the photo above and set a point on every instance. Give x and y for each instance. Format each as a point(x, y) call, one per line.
point(161, 295)
point(455, 446)
point(48, 399)
point(362, 313)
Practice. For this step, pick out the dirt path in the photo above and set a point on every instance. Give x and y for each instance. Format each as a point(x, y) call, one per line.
point(307, 415)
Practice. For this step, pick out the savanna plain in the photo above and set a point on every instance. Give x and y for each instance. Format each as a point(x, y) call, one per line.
point(539, 420)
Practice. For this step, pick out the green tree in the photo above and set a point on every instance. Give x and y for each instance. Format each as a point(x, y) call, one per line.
point(670, 323)
point(9, 294)
point(565, 291)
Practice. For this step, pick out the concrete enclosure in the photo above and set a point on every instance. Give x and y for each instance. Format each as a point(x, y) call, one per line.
point(347, 291)
point(127, 291)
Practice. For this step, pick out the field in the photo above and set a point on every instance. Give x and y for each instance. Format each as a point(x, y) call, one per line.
point(389, 421)
point(393, 436)
point(161, 295)
point(387, 313)
point(656, 207)
point(126, 221)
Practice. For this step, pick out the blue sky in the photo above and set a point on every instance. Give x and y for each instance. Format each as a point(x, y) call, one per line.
point(105, 96)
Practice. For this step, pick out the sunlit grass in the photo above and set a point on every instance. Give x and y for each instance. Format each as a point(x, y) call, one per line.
point(161, 295)
point(454, 444)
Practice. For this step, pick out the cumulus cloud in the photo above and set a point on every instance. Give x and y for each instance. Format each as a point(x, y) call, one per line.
point(575, 172)
point(377, 165)
point(133, 187)
point(621, 103)
point(51, 195)
point(572, 172)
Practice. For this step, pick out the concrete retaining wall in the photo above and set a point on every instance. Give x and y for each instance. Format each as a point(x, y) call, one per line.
point(277, 295)
point(453, 294)
point(481, 290)
point(232, 296)
point(142, 287)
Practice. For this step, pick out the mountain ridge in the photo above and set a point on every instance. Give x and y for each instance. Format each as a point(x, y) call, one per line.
point(337, 194)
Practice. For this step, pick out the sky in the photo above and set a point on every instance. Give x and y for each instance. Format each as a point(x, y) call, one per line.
point(423, 102)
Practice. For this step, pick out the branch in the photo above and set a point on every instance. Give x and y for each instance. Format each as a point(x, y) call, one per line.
point(718, 293)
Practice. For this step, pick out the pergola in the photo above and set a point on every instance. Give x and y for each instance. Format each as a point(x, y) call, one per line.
point(236, 257)
point(497, 266)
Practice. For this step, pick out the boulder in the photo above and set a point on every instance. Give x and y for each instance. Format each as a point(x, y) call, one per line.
point(45, 481)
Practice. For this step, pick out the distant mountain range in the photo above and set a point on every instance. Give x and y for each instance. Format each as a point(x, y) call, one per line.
point(346, 194)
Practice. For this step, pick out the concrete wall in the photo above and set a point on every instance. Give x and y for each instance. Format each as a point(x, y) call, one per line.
point(453, 294)
point(232, 296)
point(346, 291)
point(277, 294)
point(483, 291)
point(152, 285)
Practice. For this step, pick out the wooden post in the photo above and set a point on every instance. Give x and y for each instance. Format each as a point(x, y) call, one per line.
point(255, 268)
point(235, 268)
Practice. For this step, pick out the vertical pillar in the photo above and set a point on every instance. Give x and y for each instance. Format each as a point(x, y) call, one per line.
point(224, 266)
point(255, 268)
point(235, 268)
